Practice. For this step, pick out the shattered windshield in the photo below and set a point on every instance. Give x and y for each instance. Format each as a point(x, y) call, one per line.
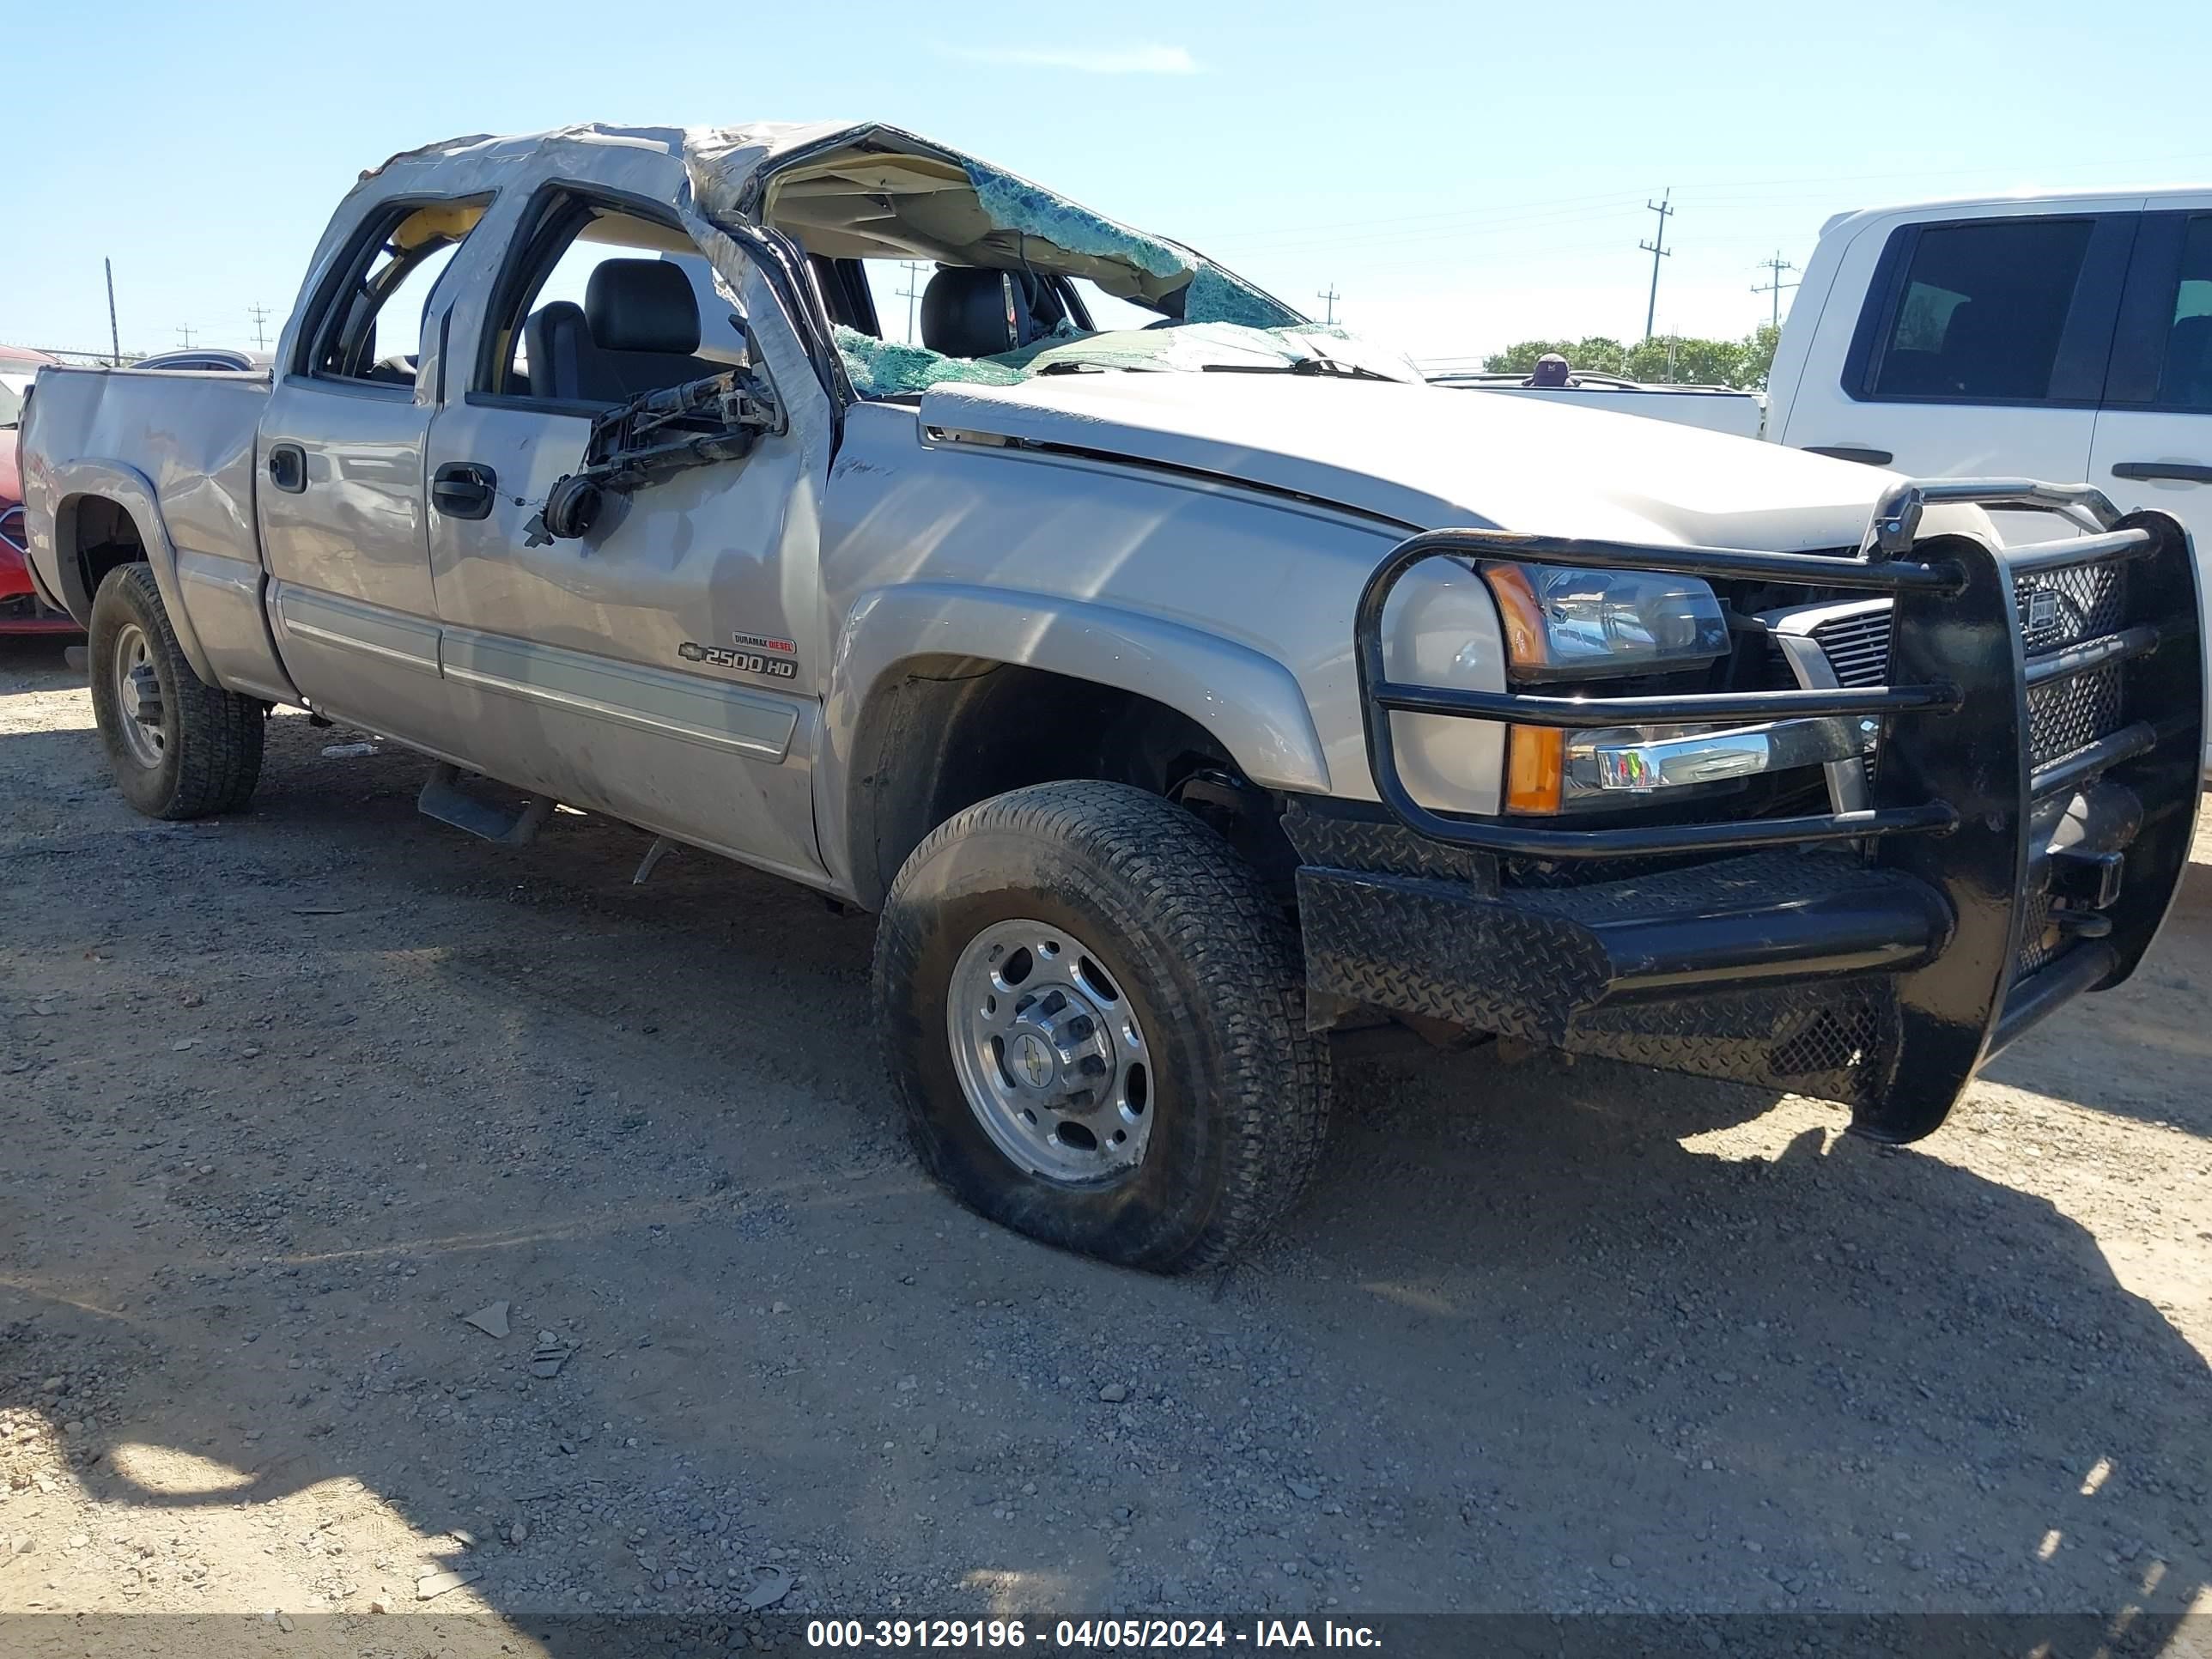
point(937, 267)
point(886, 368)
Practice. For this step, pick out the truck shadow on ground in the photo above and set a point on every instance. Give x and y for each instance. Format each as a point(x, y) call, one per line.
point(2153, 1025)
point(1535, 1321)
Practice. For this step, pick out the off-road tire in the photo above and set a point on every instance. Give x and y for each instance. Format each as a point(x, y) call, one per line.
point(211, 739)
point(1187, 929)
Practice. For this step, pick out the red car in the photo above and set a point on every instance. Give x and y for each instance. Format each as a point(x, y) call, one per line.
point(21, 610)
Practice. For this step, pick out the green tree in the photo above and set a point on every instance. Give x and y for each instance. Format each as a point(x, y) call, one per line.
point(1759, 357)
point(1673, 360)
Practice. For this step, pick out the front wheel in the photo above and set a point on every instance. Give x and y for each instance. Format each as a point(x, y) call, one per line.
point(1097, 1023)
point(180, 748)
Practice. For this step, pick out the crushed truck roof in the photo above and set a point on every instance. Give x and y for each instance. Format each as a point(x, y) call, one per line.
point(864, 190)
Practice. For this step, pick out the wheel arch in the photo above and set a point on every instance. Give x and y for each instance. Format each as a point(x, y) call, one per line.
point(937, 694)
point(108, 514)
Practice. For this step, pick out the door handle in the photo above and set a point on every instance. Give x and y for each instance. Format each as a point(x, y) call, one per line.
point(462, 489)
point(287, 467)
point(2177, 472)
point(1851, 452)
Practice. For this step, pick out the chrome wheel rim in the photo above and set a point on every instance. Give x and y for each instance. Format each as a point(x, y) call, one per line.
point(1050, 1054)
point(138, 695)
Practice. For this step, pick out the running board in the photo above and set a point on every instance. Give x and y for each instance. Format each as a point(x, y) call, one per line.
point(444, 800)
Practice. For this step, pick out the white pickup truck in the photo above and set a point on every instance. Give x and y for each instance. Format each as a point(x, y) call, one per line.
point(2044, 336)
point(1714, 407)
point(1183, 684)
point(2063, 337)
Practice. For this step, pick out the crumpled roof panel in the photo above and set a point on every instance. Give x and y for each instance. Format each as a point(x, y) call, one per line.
point(862, 190)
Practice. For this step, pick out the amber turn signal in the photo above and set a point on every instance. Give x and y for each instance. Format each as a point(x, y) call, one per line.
point(1520, 612)
point(1534, 769)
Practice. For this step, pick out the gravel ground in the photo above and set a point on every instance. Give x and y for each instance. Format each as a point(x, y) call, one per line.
point(290, 1095)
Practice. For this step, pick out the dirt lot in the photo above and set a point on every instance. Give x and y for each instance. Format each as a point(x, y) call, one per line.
point(290, 1094)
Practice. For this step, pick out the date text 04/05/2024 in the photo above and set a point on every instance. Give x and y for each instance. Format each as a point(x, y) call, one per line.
point(1087, 1635)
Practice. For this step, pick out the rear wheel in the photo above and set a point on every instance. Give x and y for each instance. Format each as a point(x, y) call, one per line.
point(1097, 1025)
point(178, 747)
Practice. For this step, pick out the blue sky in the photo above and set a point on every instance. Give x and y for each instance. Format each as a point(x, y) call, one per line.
point(1464, 175)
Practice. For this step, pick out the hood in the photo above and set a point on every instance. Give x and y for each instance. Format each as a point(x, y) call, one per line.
point(1427, 457)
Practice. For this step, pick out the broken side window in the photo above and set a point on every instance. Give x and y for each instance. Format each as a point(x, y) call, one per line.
point(606, 305)
point(370, 327)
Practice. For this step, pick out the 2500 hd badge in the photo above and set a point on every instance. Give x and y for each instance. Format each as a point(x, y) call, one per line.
point(745, 662)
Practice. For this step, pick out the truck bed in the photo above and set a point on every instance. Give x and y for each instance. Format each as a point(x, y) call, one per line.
point(176, 449)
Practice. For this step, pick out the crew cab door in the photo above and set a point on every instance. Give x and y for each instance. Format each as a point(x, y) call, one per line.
point(663, 668)
point(340, 496)
point(1978, 349)
point(2154, 442)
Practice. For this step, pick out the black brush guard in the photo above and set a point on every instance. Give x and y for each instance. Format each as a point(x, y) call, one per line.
point(1879, 957)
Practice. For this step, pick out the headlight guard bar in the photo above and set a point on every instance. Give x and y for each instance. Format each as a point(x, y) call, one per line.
point(1947, 579)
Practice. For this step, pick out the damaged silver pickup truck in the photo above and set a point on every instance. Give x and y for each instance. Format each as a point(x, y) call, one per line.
point(1183, 683)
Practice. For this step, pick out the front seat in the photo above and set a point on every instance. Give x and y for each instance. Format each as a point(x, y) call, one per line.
point(968, 313)
point(558, 345)
point(636, 332)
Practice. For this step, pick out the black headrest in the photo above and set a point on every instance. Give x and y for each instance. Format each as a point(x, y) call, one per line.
point(967, 313)
point(641, 305)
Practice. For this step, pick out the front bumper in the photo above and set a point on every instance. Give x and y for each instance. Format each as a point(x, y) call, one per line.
point(2029, 820)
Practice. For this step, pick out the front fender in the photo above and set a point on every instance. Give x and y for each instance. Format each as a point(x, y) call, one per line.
point(1249, 702)
point(66, 484)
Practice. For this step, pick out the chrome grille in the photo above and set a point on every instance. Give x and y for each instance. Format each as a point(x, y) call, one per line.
point(1858, 647)
point(2057, 609)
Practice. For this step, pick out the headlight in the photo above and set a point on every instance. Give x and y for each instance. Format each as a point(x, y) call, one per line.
point(1563, 624)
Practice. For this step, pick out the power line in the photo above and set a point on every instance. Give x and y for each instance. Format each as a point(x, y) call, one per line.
point(1657, 249)
point(260, 315)
point(1332, 296)
point(1774, 284)
point(911, 292)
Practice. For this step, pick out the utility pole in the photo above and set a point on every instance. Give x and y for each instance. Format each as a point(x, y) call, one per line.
point(911, 292)
point(260, 315)
point(1332, 296)
point(114, 335)
point(1657, 249)
point(1775, 285)
point(185, 333)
